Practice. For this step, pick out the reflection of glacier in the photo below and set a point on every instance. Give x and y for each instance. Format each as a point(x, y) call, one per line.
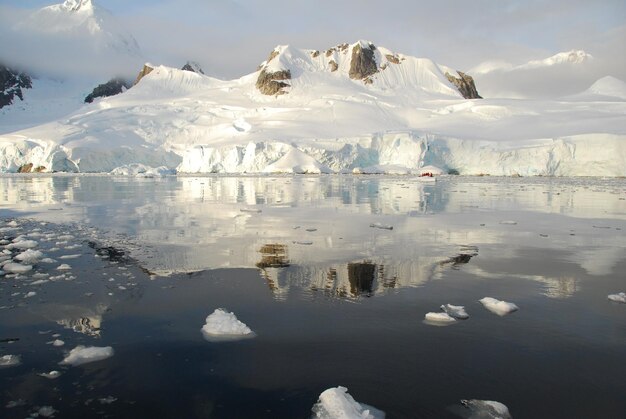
point(85, 325)
point(87, 321)
point(362, 278)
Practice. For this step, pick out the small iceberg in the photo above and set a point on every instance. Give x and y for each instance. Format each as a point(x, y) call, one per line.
point(336, 403)
point(498, 307)
point(10, 361)
point(618, 298)
point(458, 312)
point(486, 409)
point(29, 256)
point(84, 354)
point(439, 318)
point(51, 375)
point(17, 268)
point(222, 325)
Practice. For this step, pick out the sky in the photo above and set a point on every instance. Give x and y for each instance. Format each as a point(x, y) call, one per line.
point(229, 38)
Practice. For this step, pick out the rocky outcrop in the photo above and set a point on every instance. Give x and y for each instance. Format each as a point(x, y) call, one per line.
point(28, 168)
point(143, 73)
point(362, 64)
point(11, 84)
point(465, 85)
point(110, 88)
point(332, 64)
point(193, 67)
point(271, 83)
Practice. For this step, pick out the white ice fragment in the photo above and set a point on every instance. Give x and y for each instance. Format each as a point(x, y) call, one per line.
point(381, 226)
point(458, 312)
point(46, 411)
point(82, 355)
point(69, 256)
point(57, 342)
point(64, 267)
point(39, 282)
point(20, 243)
point(618, 298)
point(508, 222)
point(222, 325)
point(439, 318)
point(17, 268)
point(51, 375)
point(10, 360)
point(47, 260)
point(29, 256)
point(12, 223)
point(498, 307)
point(487, 409)
point(30, 294)
point(107, 400)
point(336, 403)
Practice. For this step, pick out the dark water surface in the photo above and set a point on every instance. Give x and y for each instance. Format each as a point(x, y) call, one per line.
point(332, 300)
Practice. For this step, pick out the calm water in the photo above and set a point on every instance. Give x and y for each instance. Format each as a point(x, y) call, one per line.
point(335, 275)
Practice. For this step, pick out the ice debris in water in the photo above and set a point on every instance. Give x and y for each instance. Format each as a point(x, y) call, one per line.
point(222, 325)
point(486, 409)
point(498, 307)
point(458, 312)
point(10, 360)
point(508, 222)
point(46, 411)
point(84, 354)
point(336, 403)
point(20, 243)
point(29, 256)
point(381, 226)
point(64, 267)
point(17, 268)
point(51, 375)
point(439, 318)
point(618, 298)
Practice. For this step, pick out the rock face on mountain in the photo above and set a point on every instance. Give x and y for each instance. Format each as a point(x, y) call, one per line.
point(11, 84)
point(465, 84)
point(110, 88)
point(271, 83)
point(147, 69)
point(193, 66)
point(363, 64)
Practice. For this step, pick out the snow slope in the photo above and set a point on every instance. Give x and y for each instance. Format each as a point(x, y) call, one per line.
point(408, 115)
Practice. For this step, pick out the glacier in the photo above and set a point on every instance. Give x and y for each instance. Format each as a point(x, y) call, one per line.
point(406, 116)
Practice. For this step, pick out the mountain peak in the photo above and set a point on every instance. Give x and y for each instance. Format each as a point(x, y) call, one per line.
point(77, 5)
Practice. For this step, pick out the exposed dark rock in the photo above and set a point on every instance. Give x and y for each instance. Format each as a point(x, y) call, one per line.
point(333, 65)
point(273, 255)
point(25, 168)
point(193, 67)
point(465, 85)
point(344, 47)
point(361, 276)
point(330, 51)
point(270, 83)
point(110, 88)
point(315, 54)
point(362, 64)
point(393, 58)
point(11, 84)
point(144, 72)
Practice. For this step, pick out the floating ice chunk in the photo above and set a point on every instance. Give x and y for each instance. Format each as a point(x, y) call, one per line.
point(82, 355)
point(69, 256)
point(29, 256)
point(486, 409)
point(17, 268)
point(10, 360)
point(381, 226)
point(46, 411)
point(12, 223)
point(51, 375)
point(458, 312)
point(508, 222)
point(30, 294)
point(336, 403)
point(222, 325)
point(107, 400)
point(15, 403)
point(57, 342)
point(439, 318)
point(47, 260)
point(64, 267)
point(618, 298)
point(20, 243)
point(498, 307)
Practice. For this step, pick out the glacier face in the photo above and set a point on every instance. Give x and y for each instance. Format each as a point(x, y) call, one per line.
point(406, 117)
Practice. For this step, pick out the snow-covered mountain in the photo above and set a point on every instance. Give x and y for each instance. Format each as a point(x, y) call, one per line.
point(562, 74)
point(351, 108)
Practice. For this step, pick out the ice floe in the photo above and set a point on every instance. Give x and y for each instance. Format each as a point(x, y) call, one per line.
point(498, 307)
point(51, 375)
point(337, 403)
point(486, 409)
point(381, 226)
point(223, 325)
point(29, 256)
point(10, 360)
point(64, 267)
point(618, 298)
point(20, 243)
point(458, 312)
point(439, 318)
point(17, 268)
point(84, 354)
